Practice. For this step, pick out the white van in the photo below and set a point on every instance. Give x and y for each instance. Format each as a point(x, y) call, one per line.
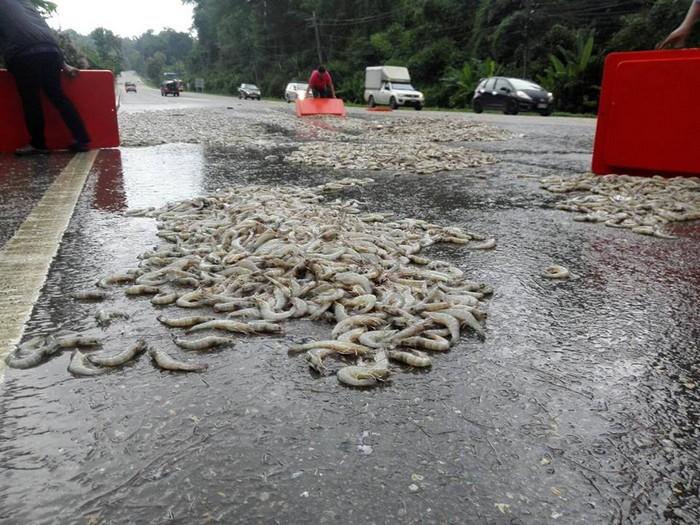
point(391, 86)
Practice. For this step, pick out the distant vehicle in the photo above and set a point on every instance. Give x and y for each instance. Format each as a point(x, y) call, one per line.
point(130, 87)
point(391, 85)
point(512, 95)
point(176, 78)
point(170, 87)
point(246, 91)
point(295, 90)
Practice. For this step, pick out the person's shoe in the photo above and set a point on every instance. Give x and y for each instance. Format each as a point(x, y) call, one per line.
point(79, 147)
point(27, 150)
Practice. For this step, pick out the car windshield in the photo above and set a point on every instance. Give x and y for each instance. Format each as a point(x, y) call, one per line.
point(250, 86)
point(524, 84)
point(402, 86)
point(301, 86)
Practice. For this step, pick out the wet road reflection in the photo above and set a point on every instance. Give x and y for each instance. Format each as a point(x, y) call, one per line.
point(23, 181)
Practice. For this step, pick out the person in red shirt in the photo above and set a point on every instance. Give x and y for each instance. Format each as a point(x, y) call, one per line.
point(321, 84)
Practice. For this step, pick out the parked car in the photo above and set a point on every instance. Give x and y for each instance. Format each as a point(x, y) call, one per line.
point(512, 95)
point(391, 85)
point(295, 90)
point(249, 91)
point(130, 87)
point(170, 87)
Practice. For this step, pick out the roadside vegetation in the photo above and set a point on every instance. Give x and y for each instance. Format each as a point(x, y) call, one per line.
point(447, 44)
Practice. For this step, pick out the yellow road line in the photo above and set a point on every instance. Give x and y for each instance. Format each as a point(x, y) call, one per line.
point(26, 258)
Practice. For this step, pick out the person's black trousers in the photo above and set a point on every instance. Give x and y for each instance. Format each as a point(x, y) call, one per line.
point(321, 93)
point(39, 72)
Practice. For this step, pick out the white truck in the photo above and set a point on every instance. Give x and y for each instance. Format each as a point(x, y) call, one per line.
point(391, 85)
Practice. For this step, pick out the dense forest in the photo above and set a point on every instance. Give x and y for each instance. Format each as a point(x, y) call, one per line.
point(447, 44)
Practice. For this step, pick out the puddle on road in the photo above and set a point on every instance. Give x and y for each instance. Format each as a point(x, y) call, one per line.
point(575, 409)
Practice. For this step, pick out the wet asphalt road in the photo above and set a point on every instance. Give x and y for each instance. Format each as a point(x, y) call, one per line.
point(580, 406)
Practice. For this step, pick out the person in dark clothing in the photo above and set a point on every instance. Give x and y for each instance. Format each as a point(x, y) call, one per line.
point(321, 84)
point(33, 57)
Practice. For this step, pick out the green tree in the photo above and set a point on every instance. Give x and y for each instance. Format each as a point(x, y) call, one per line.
point(108, 48)
point(155, 66)
point(568, 75)
point(462, 81)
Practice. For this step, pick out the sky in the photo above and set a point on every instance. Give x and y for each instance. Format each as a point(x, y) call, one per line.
point(125, 18)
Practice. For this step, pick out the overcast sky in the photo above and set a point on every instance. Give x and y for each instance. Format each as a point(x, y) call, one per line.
point(123, 17)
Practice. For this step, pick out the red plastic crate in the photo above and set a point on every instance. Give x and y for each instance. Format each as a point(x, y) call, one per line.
point(320, 106)
point(92, 93)
point(649, 114)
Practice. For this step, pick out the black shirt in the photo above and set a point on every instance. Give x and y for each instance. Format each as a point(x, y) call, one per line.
point(23, 31)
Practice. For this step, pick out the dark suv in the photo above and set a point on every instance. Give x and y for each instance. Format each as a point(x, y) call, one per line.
point(249, 91)
point(512, 95)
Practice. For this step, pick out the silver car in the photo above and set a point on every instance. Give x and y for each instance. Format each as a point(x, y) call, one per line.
point(295, 90)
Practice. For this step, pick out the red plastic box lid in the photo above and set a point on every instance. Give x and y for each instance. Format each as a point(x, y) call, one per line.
point(649, 114)
point(92, 92)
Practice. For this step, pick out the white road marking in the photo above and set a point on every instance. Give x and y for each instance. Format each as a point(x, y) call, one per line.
point(26, 258)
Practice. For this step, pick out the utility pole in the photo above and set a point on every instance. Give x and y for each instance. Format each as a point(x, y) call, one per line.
point(314, 21)
point(526, 51)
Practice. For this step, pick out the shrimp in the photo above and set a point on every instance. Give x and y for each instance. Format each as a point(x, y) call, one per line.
point(432, 342)
point(315, 358)
point(204, 343)
point(488, 244)
point(370, 321)
point(376, 338)
point(89, 295)
point(142, 289)
point(37, 348)
point(163, 299)
point(120, 358)
point(166, 362)
point(556, 272)
point(415, 358)
point(185, 322)
point(448, 321)
point(79, 365)
point(362, 376)
point(342, 347)
point(222, 324)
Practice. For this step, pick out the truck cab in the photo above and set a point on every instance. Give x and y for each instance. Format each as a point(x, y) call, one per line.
point(391, 86)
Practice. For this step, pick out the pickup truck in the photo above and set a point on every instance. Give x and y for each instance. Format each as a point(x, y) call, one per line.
point(391, 86)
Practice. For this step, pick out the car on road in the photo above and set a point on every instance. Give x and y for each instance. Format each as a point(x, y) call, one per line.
point(246, 91)
point(512, 95)
point(130, 87)
point(170, 87)
point(295, 90)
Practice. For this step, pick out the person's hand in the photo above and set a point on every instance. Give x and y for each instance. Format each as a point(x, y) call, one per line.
point(70, 71)
point(675, 40)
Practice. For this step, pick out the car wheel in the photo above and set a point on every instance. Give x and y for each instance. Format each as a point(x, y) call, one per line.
point(511, 107)
point(546, 112)
point(393, 104)
point(477, 106)
point(418, 107)
point(371, 101)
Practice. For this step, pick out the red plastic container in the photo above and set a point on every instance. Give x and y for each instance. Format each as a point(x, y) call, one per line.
point(320, 106)
point(92, 93)
point(649, 114)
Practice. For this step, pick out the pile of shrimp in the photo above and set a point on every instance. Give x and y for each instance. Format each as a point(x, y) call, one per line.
point(246, 259)
point(644, 205)
point(424, 158)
